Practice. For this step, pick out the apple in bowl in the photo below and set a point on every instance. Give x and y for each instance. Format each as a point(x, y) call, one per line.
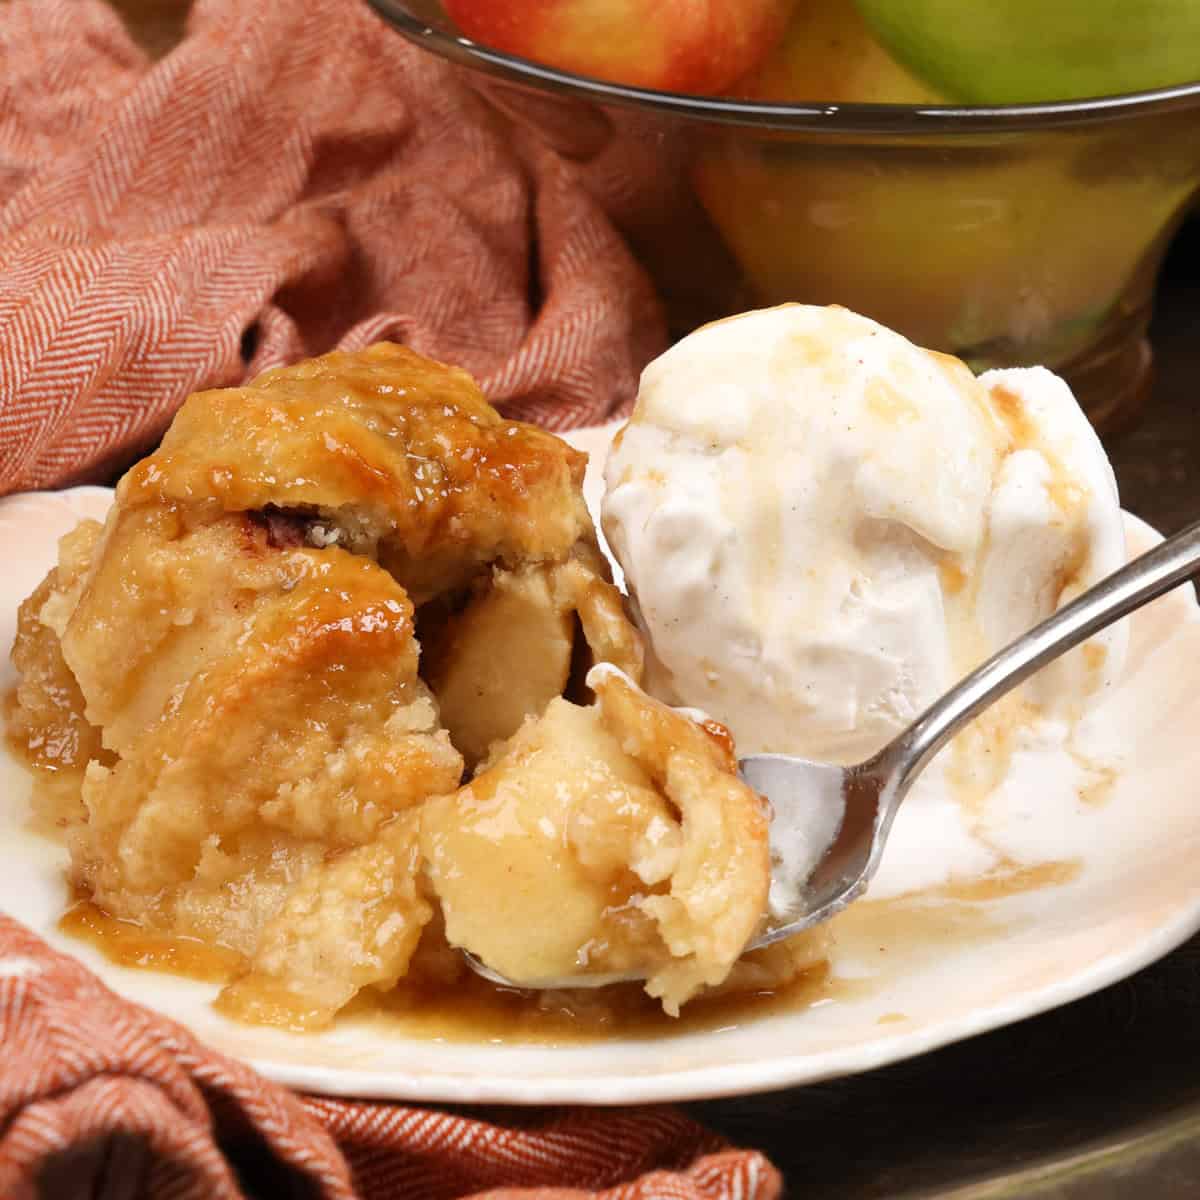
point(692, 46)
point(1025, 51)
point(828, 54)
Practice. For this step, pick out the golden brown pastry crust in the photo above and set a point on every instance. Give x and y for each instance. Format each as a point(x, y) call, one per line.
point(48, 718)
point(352, 922)
point(222, 683)
point(401, 454)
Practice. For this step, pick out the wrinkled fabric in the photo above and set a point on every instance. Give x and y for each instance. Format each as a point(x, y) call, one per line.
point(99, 1096)
point(290, 178)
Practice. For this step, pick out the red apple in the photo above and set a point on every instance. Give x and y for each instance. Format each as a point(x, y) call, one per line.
point(696, 46)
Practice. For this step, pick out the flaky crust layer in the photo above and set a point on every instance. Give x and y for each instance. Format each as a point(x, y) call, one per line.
point(402, 454)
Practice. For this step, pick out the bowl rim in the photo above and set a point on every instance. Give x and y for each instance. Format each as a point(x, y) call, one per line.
point(827, 118)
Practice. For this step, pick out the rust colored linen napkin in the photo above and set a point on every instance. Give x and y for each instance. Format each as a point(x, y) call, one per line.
point(292, 177)
point(101, 1098)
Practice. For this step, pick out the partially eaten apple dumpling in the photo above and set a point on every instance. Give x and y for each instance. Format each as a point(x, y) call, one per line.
point(343, 681)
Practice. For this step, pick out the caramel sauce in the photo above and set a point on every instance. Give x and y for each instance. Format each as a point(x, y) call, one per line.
point(952, 576)
point(9, 702)
point(1098, 779)
point(55, 768)
point(889, 405)
point(891, 936)
point(980, 756)
point(1097, 791)
point(259, 1001)
point(1064, 492)
point(465, 1009)
point(1021, 429)
point(129, 945)
point(1010, 879)
point(40, 753)
point(908, 929)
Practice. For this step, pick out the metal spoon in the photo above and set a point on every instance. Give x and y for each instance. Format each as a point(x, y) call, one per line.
point(830, 823)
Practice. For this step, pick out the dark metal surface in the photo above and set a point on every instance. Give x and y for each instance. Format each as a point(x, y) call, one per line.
point(1099, 1100)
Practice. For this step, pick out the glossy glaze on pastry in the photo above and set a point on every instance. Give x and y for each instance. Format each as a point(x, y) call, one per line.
point(253, 695)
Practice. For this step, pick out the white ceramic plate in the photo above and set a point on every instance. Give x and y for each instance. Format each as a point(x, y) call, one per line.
point(911, 972)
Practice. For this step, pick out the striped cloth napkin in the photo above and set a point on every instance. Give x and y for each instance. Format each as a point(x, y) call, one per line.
point(104, 1099)
point(292, 177)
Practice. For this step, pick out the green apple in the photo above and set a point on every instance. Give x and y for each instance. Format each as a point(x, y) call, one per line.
point(828, 54)
point(1025, 51)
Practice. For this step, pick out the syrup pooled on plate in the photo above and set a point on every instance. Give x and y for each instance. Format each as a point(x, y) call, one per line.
point(455, 1005)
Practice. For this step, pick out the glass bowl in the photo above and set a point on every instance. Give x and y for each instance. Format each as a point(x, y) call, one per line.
point(1006, 235)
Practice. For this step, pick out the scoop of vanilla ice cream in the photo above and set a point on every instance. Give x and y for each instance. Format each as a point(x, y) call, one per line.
point(823, 526)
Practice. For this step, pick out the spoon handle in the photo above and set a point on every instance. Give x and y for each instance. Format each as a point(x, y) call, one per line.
point(1147, 577)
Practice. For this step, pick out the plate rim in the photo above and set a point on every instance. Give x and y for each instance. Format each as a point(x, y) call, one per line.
point(710, 1081)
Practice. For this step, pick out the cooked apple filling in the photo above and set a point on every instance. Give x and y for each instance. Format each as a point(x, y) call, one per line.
point(251, 697)
point(605, 839)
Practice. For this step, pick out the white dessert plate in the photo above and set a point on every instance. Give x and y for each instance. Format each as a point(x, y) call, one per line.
point(1066, 879)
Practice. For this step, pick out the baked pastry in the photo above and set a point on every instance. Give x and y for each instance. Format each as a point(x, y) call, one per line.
point(384, 453)
point(253, 694)
point(606, 839)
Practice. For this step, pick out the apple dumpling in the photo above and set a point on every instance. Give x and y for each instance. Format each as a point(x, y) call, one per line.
point(251, 698)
